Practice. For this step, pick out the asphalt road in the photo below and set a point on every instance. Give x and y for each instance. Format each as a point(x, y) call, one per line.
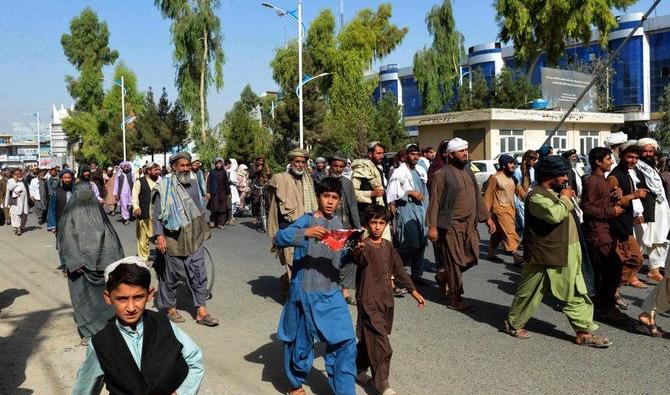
point(436, 351)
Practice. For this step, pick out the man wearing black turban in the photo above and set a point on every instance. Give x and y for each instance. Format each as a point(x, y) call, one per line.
point(552, 252)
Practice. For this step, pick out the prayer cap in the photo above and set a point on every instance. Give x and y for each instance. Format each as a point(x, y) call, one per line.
point(456, 144)
point(615, 139)
point(151, 165)
point(295, 152)
point(335, 157)
point(130, 260)
point(412, 148)
point(553, 166)
point(505, 159)
point(181, 155)
point(647, 141)
point(569, 153)
point(320, 159)
point(219, 159)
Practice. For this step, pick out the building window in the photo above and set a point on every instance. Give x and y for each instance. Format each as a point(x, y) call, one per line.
point(588, 140)
point(511, 140)
point(559, 141)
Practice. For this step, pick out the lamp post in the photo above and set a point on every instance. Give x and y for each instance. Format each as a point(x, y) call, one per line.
point(121, 85)
point(281, 12)
point(36, 115)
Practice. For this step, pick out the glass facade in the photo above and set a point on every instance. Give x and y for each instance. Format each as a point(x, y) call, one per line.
point(627, 87)
point(659, 51)
point(411, 97)
point(488, 69)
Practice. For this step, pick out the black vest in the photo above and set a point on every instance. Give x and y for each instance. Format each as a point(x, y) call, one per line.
point(163, 367)
point(545, 244)
point(144, 198)
point(621, 227)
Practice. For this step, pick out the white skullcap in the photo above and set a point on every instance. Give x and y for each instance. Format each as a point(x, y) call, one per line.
point(130, 260)
point(647, 141)
point(616, 138)
point(627, 144)
point(456, 144)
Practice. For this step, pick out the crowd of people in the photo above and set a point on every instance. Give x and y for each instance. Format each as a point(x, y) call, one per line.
point(579, 231)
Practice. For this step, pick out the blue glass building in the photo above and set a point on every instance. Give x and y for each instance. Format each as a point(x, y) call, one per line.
point(642, 69)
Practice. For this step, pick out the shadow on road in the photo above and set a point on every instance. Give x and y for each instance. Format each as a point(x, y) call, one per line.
point(266, 287)
point(271, 356)
point(8, 296)
point(20, 344)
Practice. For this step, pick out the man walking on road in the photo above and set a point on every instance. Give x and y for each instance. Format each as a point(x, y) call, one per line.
point(292, 195)
point(551, 262)
point(499, 201)
point(17, 201)
point(142, 208)
point(123, 186)
point(369, 180)
point(408, 193)
point(218, 190)
point(180, 229)
point(455, 209)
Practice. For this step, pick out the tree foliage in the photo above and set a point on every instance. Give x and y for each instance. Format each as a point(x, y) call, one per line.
point(512, 91)
point(388, 126)
point(474, 94)
point(244, 136)
point(603, 67)
point(537, 26)
point(87, 48)
point(436, 68)
point(198, 54)
point(162, 126)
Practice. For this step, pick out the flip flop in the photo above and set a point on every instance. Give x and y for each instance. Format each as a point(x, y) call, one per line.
point(176, 317)
point(649, 329)
point(207, 320)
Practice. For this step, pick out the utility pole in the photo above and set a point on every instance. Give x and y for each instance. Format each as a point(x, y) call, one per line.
point(302, 132)
point(123, 116)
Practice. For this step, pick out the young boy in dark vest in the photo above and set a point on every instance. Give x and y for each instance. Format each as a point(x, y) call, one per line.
point(139, 351)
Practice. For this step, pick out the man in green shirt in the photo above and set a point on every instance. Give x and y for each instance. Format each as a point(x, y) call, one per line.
point(553, 257)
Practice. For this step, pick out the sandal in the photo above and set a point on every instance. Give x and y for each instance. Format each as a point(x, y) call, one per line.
point(636, 283)
point(518, 333)
point(175, 317)
point(518, 259)
point(649, 329)
point(458, 305)
point(350, 301)
point(207, 320)
point(592, 341)
point(621, 303)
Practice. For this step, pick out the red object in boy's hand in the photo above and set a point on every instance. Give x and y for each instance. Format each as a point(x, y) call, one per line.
point(336, 240)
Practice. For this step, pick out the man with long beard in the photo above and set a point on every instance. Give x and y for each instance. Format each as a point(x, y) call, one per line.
point(292, 194)
point(499, 201)
point(123, 187)
point(652, 234)
point(218, 189)
point(180, 229)
point(455, 208)
point(408, 193)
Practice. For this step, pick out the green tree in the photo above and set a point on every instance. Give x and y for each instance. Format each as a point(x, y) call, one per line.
point(474, 94)
point(244, 136)
point(150, 127)
point(512, 91)
point(436, 68)
point(661, 131)
point(87, 48)
point(388, 126)
point(198, 53)
point(540, 26)
point(603, 67)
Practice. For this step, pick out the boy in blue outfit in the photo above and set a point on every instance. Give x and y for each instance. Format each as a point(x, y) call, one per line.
point(315, 308)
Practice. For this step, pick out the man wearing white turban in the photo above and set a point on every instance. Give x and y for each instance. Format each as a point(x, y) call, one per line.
point(454, 209)
point(613, 142)
point(652, 234)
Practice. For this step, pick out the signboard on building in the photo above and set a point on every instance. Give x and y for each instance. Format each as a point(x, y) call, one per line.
point(27, 151)
point(3, 158)
point(562, 87)
point(44, 163)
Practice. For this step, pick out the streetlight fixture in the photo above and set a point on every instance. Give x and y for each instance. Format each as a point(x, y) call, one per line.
point(124, 121)
point(309, 78)
point(36, 115)
point(301, 30)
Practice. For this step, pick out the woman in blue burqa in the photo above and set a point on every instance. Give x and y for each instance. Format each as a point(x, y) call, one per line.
point(87, 243)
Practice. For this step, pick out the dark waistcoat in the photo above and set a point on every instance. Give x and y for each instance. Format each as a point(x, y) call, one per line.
point(144, 198)
point(621, 227)
point(545, 244)
point(163, 367)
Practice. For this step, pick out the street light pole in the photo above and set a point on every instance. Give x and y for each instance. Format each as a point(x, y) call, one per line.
point(123, 117)
point(302, 135)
